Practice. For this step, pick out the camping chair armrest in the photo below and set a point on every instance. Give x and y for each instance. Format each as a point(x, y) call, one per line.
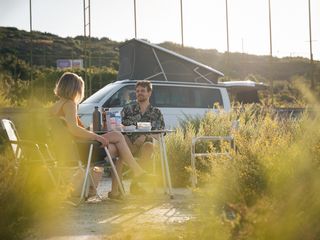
point(29, 142)
point(95, 143)
point(35, 148)
point(25, 143)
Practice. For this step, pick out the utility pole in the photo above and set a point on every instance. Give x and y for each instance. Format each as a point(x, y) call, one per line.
point(227, 25)
point(135, 18)
point(87, 45)
point(270, 43)
point(181, 15)
point(31, 48)
point(311, 55)
point(227, 29)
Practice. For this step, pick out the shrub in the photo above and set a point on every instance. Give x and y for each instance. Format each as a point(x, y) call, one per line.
point(27, 194)
point(178, 148)
point(269, 190)
point(26, 198)
point(13, 222)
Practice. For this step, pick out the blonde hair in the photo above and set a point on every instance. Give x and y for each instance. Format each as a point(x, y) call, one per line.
point(70, 86)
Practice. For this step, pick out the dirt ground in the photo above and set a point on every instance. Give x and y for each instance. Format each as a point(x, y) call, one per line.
point(110, 219)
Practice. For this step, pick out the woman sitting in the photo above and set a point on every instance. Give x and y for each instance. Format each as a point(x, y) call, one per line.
point(70, 90)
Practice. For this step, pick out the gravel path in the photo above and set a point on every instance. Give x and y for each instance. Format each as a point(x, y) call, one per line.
point(110, 219)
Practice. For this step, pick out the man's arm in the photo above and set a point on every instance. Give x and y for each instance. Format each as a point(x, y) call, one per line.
point(157, 121)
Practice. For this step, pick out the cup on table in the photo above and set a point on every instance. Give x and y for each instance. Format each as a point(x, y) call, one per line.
point(129, 128)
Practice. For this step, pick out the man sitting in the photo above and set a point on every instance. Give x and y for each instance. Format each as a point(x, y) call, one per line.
point(141, 111)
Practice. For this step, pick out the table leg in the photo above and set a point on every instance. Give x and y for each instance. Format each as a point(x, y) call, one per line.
point(162, 165)
point(166, 165)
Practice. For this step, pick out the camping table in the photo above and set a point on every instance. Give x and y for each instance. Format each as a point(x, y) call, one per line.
point(163, 154)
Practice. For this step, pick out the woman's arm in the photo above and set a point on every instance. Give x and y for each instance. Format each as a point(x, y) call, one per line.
point(70, 112)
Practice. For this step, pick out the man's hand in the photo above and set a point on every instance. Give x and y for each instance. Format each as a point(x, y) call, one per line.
point(140, 140)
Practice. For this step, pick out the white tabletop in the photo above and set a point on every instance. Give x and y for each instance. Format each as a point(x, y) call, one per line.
point(147, 131)
point(140, 131)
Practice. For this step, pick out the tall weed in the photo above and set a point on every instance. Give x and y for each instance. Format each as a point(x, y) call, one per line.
point(28, 196)
point(269, 190)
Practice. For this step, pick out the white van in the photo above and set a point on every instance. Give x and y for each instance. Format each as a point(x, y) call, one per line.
point(176, 100)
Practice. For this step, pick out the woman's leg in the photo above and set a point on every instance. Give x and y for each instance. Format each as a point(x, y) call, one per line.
point(118, 164)
point(114, 182)
point(124, 152)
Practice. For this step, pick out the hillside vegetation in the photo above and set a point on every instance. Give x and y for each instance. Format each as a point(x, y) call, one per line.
point(16, 69)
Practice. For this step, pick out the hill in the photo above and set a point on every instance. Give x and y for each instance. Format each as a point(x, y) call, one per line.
point(47, 48)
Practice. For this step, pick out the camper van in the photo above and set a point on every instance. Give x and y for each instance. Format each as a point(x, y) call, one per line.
point(182, 87)
point(176, 100)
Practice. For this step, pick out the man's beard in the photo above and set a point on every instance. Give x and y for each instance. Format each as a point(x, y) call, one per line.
point(142, 99)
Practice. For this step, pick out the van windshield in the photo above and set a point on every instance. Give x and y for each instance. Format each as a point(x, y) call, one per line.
point(120, 98)
point(99, 95)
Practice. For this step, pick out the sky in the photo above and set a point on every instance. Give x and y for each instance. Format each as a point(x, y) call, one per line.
point(204, 22)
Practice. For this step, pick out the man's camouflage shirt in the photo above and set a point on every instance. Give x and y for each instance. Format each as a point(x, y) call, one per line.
point(131, 114)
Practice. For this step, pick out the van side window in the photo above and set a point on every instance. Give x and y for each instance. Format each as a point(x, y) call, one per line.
point(207, 97)
point(123, 96)
point(171, 96)
point(185, 97)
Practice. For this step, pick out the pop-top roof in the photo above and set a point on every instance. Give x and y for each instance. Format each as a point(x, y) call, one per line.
point(141, 60)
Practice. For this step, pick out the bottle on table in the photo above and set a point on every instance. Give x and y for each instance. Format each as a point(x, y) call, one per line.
point(96, 119)
point(104, 119)
point(108, 117)
point(112, 121)
point(118, 121)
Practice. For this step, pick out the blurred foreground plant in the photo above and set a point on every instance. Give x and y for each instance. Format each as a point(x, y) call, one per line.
point(269, 190)
point(28, 197)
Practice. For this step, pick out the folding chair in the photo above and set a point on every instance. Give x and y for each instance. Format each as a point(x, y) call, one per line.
point(194, 154)
point(219, 139)
point(65, 148)
point(24, 152)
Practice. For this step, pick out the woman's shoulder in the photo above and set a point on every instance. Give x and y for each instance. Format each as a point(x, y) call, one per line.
point(58, 107)
point(69, 103)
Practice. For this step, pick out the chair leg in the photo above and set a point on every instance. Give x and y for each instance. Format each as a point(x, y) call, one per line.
point(115, 171)
point(84, 191)
point(193, 171)
point(94, 185)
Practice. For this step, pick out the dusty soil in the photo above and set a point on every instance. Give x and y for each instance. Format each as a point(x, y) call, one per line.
point(129, 219)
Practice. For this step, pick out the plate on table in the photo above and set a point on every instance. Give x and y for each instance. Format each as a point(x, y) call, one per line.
point(129, 128)
point(143, 126)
